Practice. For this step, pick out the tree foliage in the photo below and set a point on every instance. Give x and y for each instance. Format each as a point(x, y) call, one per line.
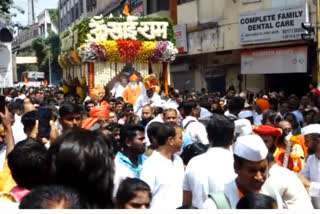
point(54, 13)
point(47, 47)
point(5, 6)
point(9, 10)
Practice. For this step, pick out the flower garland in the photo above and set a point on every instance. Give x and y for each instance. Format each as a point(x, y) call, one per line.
point(100, 52)
point(170, 53)
point(146, 51)
point(128, 49)
point(111, 49)
point(158, 52)
point(86, 53)
point(120, 51)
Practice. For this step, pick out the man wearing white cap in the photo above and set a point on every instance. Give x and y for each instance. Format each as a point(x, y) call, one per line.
point(246, 114)
point(310, 174)
point(251, 165)
point(243, 127)
point(311, 134)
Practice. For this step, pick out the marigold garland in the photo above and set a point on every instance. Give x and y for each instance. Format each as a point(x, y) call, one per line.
point(111, 49)
point(146, 51)
point(128, 49)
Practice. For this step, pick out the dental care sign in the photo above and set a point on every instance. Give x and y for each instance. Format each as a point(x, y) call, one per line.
point(272, 25)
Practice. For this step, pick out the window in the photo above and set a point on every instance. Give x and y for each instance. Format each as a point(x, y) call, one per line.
point(91, 5)
point(81, 7)
point(155, 6)
point(77, 10)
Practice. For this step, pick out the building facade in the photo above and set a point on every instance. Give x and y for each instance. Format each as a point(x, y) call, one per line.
point(247, 44)
point(72, 11)
point(41, 27)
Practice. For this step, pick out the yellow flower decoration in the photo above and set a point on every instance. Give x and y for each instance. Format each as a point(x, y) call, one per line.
point(146, 51)
point(111, 49)
point(296, 169)
point(294, 156)
point(295, 140)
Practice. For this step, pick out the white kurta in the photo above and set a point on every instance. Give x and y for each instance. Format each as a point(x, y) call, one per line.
point(154, 101)
point(311, 171)
point(117, 90)
point(208, 173)
point(290, 188)
point(165, 178)
point(231, 191)
point(196, 130)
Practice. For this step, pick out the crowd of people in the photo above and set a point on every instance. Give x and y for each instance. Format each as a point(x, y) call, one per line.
point(132, 148)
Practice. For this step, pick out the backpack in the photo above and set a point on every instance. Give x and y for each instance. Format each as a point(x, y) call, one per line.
point(188, 123)
point(221, 200)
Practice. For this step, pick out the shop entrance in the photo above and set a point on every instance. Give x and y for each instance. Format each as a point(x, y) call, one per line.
point(216, 83)
point(297, 84)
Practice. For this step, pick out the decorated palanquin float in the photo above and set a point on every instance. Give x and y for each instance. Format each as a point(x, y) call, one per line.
point(96, 50)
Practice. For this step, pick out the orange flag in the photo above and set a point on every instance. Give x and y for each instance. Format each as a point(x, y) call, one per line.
point(126, 9)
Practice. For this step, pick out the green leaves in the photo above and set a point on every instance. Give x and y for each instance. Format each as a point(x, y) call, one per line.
point(5, 6)
point(45, 47)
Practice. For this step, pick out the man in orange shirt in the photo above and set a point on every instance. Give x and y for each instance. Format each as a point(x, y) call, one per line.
point(133, 90)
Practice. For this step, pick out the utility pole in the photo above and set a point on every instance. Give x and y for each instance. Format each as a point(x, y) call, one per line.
point(50, 79)
point(31, 12)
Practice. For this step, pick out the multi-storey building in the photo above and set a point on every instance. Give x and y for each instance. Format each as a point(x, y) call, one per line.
point(41, 27)
point(71, 11)
point(248, 44)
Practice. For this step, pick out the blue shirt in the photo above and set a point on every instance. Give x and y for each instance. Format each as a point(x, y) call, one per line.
point(186, 141)
point(126, 161)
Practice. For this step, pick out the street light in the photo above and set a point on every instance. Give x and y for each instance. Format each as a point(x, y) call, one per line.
point(50, 83)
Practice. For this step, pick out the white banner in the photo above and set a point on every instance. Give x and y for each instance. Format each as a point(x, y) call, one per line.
point(35, 75)
point(274, 60)
point(6, 77)
point(27, 60)
point(272, 25)
point(181, 36)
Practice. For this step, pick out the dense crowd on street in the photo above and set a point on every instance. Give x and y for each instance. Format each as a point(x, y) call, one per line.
point(132, 147)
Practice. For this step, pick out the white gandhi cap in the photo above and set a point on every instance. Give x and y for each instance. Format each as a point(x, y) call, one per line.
point(245, 114)
point(311, 129)
point(251, 147)
point(243, 127)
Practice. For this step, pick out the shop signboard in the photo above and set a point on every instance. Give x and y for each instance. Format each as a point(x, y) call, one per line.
point(272, 25)
point(181, 36)
point(274, 60)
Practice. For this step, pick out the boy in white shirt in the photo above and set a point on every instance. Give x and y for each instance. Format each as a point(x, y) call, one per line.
point(163, 171)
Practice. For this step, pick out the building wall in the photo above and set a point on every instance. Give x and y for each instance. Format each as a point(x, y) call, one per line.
point(225, 14)
point(223, 35)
